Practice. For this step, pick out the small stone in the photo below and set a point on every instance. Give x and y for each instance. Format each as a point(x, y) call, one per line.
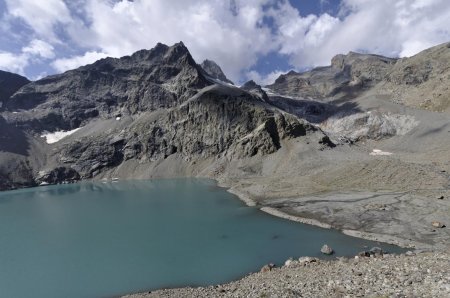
point(326, 250)
point(441, 198)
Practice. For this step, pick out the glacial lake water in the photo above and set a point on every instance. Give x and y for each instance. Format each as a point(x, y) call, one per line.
point(108, 239)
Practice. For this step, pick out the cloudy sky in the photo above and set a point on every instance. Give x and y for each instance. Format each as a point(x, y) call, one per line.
point(250, 39)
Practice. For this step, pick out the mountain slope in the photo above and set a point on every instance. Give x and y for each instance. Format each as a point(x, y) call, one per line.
point(421, 81)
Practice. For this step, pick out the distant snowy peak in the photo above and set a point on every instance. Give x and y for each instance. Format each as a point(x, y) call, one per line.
point(214, 70)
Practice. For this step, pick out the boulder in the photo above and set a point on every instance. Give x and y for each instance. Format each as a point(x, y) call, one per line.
point(326, 250)
point(289, 262)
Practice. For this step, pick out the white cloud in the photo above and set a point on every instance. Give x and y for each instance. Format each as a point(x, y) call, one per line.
point(13, 62)
point(35, 51)
point(400, 28)
point(234, 38)
point(39, 48)
point(64, 64)
point(232, 33)
point(40, 15)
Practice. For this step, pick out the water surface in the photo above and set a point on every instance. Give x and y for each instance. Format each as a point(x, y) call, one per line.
point(102, 240)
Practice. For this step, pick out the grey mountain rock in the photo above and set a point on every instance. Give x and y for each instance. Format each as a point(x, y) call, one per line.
point(214, 70)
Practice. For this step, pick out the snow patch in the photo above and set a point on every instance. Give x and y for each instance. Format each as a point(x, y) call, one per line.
point(117, 118)
point(53, 137)
point(379, 152)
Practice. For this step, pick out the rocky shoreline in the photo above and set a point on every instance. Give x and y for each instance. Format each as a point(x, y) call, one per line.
point(406, 275)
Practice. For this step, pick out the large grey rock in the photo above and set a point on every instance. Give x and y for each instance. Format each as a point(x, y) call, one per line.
point(326, 250)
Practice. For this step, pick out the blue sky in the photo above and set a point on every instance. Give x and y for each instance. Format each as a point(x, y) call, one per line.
point(249, 39)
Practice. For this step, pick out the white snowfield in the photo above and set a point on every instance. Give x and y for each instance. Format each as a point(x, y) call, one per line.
point(379, 152)
point(53, 137)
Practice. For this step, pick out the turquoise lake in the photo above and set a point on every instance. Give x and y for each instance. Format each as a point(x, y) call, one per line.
point(108, 239)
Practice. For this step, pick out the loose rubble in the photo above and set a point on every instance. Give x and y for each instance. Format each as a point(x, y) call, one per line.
point(380, 275)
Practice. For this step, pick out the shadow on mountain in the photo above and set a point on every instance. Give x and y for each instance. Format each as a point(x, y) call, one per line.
point(12, 139)
point(434, 131)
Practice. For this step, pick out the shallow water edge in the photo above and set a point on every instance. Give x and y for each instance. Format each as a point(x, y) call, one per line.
point(389, 239)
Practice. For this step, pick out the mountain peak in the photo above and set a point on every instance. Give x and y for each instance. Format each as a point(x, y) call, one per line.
point(9, 84)
point(214, 70)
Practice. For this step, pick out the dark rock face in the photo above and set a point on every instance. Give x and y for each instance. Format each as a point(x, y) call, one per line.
point(148, 80)
point(15, 173)
point(214, 70)
point(9, 84)
point(58, 175)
